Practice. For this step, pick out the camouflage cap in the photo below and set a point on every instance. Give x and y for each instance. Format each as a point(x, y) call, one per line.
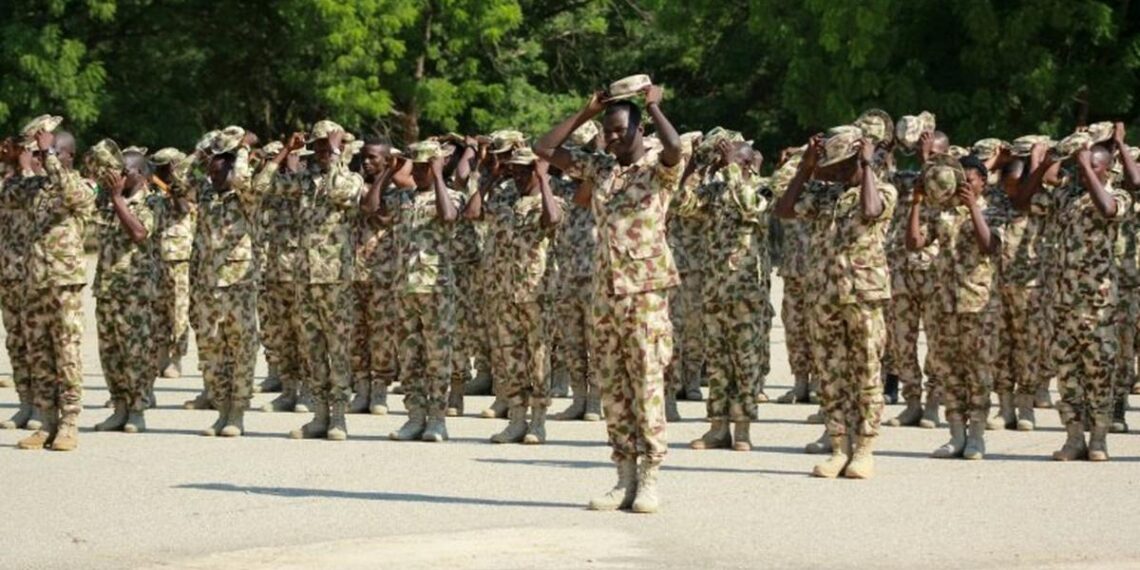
point(507, 140)
point(713, 138)
point(986, 149)
point(628, 87)
point(842, 144)
point(877, 126)
point(958, 152)
point(322, 130)
point(207, 141)
point(523, 156)
point(47, 123)
point(941, 177)
point(105, 155)
point(136, 149)
point(228, 140)
point(909, 129)
point(353, 148)
point(426, 151)
point(1022, 146)
point(1069, 145)
point(687, 148)
point(168, 155)
point(1101, 132)
point(273, 148)
point(584, 134)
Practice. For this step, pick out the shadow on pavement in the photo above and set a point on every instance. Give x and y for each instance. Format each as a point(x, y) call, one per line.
point(665, 467)
point(291, 492)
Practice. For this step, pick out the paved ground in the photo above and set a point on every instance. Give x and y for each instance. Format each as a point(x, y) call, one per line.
point(172, 499)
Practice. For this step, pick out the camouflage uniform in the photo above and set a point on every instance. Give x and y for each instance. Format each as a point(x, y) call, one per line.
point(1022, 305)
point(633, 337)
point(176, 238)
point(61, 208)
point(1085, 342)
point(229, 272)
point(733, 216)
point(686, 310)
point(575, 246)
point(277, 299)
point(470, 342)
point(794, 310)
point(326, 215)
point(15, 233)
point(913, 305)
point(1128, 307)
point(375, 356)
point(518, 334)
point(848, 285)
point(969, 304)
point(425, 287)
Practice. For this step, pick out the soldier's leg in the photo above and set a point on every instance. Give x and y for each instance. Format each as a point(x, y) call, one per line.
point(412, 352)
point(1065, 350)
point(110, 326)
point(608, 316)
point(509, 357)
point(180, 320)
point(539, 389)
point(384, 343)
point(243, 331)
point(762, 349)
point(1099, 359)
point(905, 316)
point(464, 343)
point(648, 350)
point(747, 340)
point(220, 313)
point(718, 327)
point(936, 365)
point(273, 322)
point(867, 333)
point(832, 354)
point(795, 341)
point(138, 346)
point(673, 371)
point(439, 336)
point(13, 306)
point(1023, 354)
point(199, 297)
point(1127, 313)
point(335, 311)
point(570, 319)
point(1011, 328)
point(41, 320)
point(67, 335)
point(980, 338)
point(692, 348)
point(361, 342)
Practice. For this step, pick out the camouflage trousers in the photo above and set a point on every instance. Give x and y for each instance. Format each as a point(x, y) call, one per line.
point(1022, 345)
point(632, 345)
point(428, 330)
point(794, 312)
point(764, 346)
point(571, 326)
point(971, 342)
point(325, 319)
point(13, 305)
point(686, 312)
point(470, 344)
point(518, 353)
point(280, 335)
point(1086, 348)
point(228, 340)
point(127, 346)
point(1128, 327)
point(53, 324)
point(909, 312)
point(735, 336)
point(848, 342)
point(375, 334)
point(174, 320)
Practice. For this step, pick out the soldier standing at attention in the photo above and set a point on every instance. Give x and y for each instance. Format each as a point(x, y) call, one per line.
point(425, 225)
point(629, 189)
point(850, 209)
point(126, 282)
point(176, 238)
point(62, 204)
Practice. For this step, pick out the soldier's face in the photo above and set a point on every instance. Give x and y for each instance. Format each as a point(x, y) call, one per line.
point(323, 153)
point(421, 173)
point(619, 138)
point(219, 172)
point(374, 157)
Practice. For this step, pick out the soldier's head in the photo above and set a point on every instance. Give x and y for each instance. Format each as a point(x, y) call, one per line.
point(940, 143)
point(136, 169)
point(374, 155)
point(1101, 160)
point(1011, 175)
point(65, 148)
point(748, 158)
point(976, 174)
point(622, 131)
point(220, 171)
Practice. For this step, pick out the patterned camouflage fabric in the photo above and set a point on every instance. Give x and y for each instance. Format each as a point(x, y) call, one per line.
point(60, 210)
point(470, 332)
point(176, 238)
point(1127, 255)
point(633, 338)
point(376, 331)
point(686, 240)
point(1085, 345)
point(849, 283)
point(277, 309)
point(574, 250)
point(734, 212)
point(15, 233)
point(1023, 304)
point(127, 277)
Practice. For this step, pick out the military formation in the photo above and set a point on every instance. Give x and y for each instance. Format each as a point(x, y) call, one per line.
point(628, 269)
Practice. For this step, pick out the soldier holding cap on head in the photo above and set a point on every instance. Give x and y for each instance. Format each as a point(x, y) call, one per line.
point(176, 236)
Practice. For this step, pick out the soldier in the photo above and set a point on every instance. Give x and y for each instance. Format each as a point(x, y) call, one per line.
point(62, 205)
point(1087, 209)
point(188, 177)
point(794, 310)
point(967, 230)
point(377, 331)
point(850, 208)
point(126, 283)
point(227, 230)
point(522, 220)
point(15, 234)
point(629, 190)
point(1126, 174)
point(733, 209)
point(425, 225)
point(328, 196)
point(175, 236)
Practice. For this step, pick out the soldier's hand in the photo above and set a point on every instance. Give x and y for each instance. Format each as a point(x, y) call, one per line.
point(296, 142)
point(1084, 156)
point(336, 138)
point(25, 159)
point(1039, 153)
point(724, 152)
point(44, 140)
point(596, 104)
point(437, 165)
point(1118, 136)
point(115, 183)
point(249, 140)
point(653, 95)
point(919, 192)
point(813, 152)
point(866, 152)
point(965, 195)
point(926, 145)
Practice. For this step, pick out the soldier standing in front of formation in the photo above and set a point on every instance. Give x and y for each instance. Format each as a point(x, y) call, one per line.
point(61, 207)
point(629, 190)
point(850, 209)
point(126, 283)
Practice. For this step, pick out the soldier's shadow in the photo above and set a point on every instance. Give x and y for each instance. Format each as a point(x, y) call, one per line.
point(293, 492)
point(606, 465)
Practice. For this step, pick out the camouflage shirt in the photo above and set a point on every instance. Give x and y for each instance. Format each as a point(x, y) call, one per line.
point(376, 247)
point(176, 228)
point(227, 230)
point(1127, 251)
point(899, 257)
point(630, 206)
point(15, 227)
point(847, 262)
point(280, 241)
point(1021, 256)
point(966, 277)
point(577, 239)
point(125, 266)
point(522, 246)
point(1085, 246)
point(467, 247)
point(328, 203)
point(61, 208)
point(423, 242)
point(733, 213)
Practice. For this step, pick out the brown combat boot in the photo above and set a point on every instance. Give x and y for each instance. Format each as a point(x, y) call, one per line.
point(67, 435)
point(272, 382)
point(1026, 417)
point(957, 443)
point(436, 429)
point(862, 465)
point(646, 500)
point(25, 416)
point(497, 410)
point(235, 420)
point(359, 404)
point(1005, 418)
point(378, 404)
point(816, 418)
point(515, 430)
point(536, 431)
point(717, 437)
point(1119, 421)
point(413, 429)
point(742, 436)
point(930, 410)
point(671, 412)
point(43, 436)
point(1074, 448)
point(1043, 400)
point(835, 464)
point(623, 493)
point(318, 427)
point(910, 416)
point(136, 422)
point(117, 420)
point(220, 423)
point(975, 439)
point(1098, 443)
point(200, 402)
point(593, 407)
point(577, 407)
